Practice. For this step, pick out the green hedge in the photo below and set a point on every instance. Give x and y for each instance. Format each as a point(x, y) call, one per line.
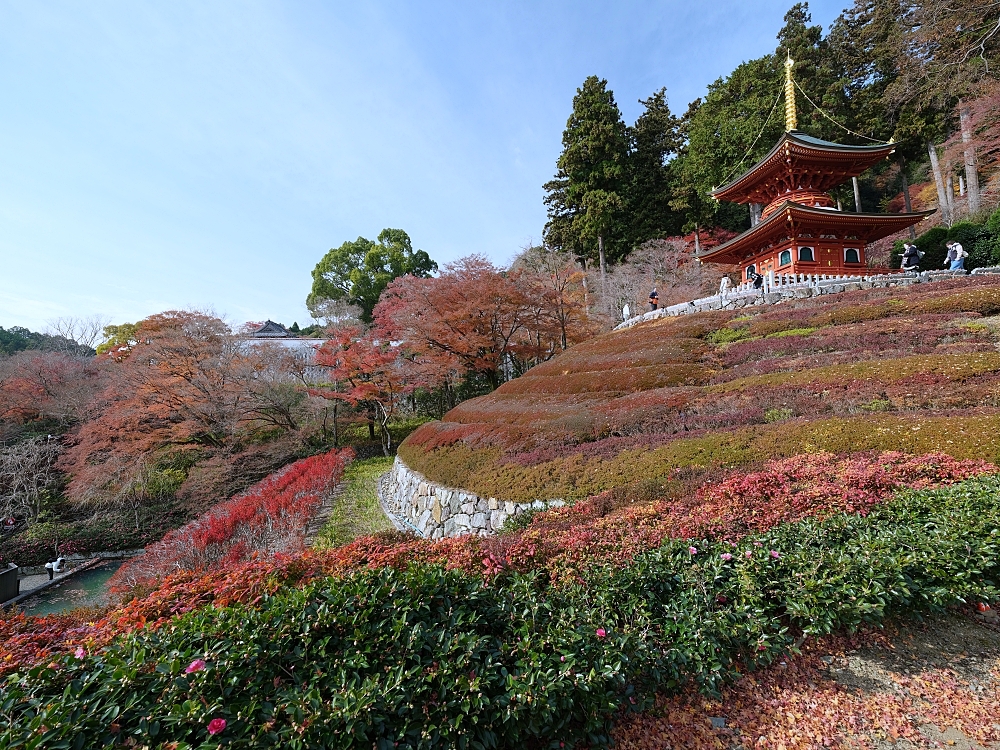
point(429, 658)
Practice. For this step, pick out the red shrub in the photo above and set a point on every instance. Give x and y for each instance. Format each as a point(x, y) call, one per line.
point(269, 517)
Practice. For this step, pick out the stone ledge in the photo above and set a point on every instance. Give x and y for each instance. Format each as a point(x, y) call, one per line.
point(778, 294)
point(413, 503)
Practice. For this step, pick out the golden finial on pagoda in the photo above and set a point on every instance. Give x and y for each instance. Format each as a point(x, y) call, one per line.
point(791, 118)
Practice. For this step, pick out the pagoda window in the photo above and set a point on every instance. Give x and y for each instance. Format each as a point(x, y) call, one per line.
point(785, 258)
point(852, 255)
point(806, 254)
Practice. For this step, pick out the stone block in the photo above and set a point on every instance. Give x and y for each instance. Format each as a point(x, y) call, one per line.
point(450, 527)
point(436, 510)
point(468, 508)
point(422, 489)
point(479, 521)
point(497, 519)
point(494, 504)
point(509, 508)
point(482, 505)
point(461, 521)
point(422, 521)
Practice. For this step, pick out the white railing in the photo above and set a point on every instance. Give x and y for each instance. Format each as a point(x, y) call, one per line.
point(789, 282)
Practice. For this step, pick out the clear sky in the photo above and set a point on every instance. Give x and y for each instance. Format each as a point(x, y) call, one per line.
point(165, 155)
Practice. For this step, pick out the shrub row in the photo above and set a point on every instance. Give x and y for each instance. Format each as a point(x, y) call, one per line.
point(269, 517)
point(429, 658)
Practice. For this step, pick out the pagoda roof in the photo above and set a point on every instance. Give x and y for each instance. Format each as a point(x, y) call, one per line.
point(793, 219)
point(827, 164)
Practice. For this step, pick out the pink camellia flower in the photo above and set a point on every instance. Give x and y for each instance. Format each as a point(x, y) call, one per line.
point(693, 550)
point(562, 658)
point(196, 666)
point(749, 553)
point(775, 554)
point(216, 725)
point(601, 632)
point(726, 556)
point(80, 652)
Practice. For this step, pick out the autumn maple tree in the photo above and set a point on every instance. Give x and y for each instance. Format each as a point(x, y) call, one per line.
point(368, 372)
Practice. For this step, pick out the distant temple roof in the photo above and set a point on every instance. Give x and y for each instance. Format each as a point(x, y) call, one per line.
point(803, 160)
point(272, 330)
point(792, 220)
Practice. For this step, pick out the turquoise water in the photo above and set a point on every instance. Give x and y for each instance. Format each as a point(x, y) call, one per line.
point(88, 588)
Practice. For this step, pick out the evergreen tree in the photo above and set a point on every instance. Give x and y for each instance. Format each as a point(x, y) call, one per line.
point(586, 199)
point(655, 139)
point(357, 272)
point(734, 126)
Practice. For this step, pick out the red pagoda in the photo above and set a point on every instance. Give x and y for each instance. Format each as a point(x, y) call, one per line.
point(800, 229)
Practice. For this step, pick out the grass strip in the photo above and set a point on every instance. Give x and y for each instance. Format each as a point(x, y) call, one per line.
point(357, 511)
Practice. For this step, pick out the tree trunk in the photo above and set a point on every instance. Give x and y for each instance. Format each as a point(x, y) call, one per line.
point(604, 283)
point(906, 195)
point(971, 175)
point(697, 241)
point(857, 195)
point(371, 423)
point(383, 424)
point(943, 205)
point(586, 291)
point(336, 434)
point(949, 191)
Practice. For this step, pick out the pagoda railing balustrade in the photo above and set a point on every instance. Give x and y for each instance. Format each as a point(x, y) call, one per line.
point(781, 287)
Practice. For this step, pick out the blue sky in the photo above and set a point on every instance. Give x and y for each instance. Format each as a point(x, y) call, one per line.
point(158, 156)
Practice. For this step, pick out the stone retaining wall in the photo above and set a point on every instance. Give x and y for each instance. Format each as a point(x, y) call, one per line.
point(776, 294)
point(415, 504)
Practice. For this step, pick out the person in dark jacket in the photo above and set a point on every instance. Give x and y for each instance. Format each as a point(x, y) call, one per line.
point(654, 299)
point(911, 257)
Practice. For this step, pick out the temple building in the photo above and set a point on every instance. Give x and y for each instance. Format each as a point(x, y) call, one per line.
point(801, 230)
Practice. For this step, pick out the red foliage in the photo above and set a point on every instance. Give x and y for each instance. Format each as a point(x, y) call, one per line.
point(172, 384)
point(562, 540)
point(782, 491)
point(800, 703)
point(269, 517)
point(47, 385)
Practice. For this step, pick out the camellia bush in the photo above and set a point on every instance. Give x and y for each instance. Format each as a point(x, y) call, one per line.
point(420, 656)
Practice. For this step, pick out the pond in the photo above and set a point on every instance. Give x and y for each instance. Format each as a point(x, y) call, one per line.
point(88, 588)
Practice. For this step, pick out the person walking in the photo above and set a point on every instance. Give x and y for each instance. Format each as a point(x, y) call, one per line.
point(724, 284)
point(911, 258)
point(654, 299)
point(955, 260)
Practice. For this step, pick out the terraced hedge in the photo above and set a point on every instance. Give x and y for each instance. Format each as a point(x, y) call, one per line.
point(913, 369)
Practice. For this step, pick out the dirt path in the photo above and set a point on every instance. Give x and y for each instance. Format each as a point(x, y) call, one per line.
point(324, 513)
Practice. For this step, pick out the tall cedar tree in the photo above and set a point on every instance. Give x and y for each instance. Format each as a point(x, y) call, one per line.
point(356, 272)
point(741, 117)
point(586, 200)
point(655, 139)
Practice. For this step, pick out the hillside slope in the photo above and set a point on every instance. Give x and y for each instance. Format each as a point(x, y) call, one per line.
point(914, 370)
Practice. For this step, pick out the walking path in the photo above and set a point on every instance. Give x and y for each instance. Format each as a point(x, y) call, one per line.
point(319, 520)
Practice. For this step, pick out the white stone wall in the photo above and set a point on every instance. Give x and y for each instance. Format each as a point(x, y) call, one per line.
point(804, 290)
point(415, 504)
